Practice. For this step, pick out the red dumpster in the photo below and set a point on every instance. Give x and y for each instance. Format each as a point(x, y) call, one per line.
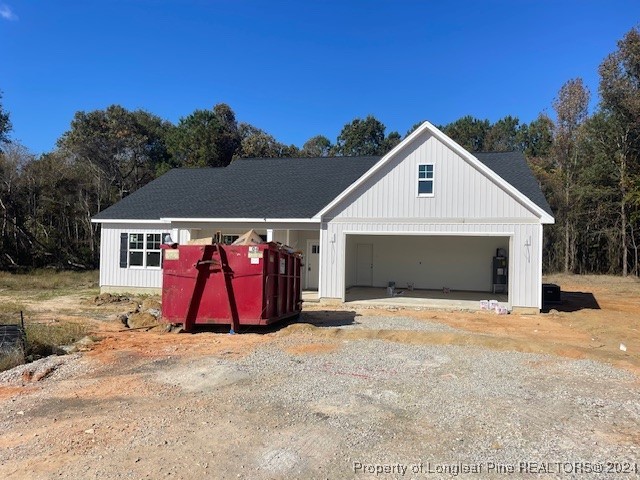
point(230, 284)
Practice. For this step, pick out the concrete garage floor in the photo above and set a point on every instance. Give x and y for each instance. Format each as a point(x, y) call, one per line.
point(455, 300)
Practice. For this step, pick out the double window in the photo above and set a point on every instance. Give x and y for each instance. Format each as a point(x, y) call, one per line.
point(144, 250)
point(425, 180)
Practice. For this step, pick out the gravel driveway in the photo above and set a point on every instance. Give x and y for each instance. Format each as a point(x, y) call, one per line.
point(310, 406)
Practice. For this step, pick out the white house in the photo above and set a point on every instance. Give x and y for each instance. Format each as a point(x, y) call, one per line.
point(429, 213)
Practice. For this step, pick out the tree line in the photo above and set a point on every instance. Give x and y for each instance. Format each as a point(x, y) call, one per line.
point(587, 164)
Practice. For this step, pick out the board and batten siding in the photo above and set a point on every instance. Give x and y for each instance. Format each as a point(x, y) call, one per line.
point(112, 276)
point(460, 190)
point(465, 202)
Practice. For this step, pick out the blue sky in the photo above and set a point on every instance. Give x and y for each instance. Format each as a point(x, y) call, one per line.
point(298, 68)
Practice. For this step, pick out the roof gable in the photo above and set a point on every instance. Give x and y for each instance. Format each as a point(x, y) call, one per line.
point(511, 165)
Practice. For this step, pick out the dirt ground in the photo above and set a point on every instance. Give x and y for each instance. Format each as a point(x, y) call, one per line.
point(318, 398)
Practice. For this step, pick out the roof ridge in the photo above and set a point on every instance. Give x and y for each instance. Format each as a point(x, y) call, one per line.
point(332, 157)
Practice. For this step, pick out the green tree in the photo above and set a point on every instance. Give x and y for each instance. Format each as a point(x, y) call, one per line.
point(502, 136)
point(318, 146)
point(125, 147)
point(256, 143)
point(205, 138)
point(60, 200)
point(362, 137)
point(413, 128)
point(5, 124)
point(595, 198)
point(620, 93)
point(536, 139)
point(17, 245)
point(469, 132)
point(391, 141)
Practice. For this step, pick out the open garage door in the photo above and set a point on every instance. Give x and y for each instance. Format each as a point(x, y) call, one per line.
point(458, 263)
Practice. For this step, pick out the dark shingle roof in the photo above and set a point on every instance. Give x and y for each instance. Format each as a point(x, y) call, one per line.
point(247, 188)
point(277, 188)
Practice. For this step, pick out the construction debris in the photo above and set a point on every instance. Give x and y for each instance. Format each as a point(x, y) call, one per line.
point(249, 238)
point(141, 319)
point(201, 241)
point(106, 298)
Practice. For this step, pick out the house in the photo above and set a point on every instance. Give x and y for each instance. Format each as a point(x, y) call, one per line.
point(429, 214)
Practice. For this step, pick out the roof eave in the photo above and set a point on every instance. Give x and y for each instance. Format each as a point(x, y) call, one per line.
point(547, 219)
point(127, 220)
point(207, 220)
point(241, 220)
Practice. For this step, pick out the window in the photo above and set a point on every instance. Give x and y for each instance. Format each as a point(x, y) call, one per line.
point(315, 248)
point(144, 249)
point(425, 180)
point(229, 239)
point(153, 252)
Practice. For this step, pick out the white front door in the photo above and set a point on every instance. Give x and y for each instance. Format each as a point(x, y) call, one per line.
point(364, 265)
point(312, 264)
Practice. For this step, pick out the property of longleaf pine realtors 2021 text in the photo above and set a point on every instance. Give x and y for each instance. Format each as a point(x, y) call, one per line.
point(525, 467)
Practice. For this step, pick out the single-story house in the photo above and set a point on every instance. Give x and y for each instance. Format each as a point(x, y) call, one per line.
point(428, 214)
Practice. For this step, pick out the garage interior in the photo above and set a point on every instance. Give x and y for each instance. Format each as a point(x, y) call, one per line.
point(455, 271)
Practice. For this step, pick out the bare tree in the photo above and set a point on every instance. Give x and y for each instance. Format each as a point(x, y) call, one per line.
point(571, 108)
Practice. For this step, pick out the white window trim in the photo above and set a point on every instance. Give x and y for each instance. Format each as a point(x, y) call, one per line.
point(432, 179)
point(144, 251)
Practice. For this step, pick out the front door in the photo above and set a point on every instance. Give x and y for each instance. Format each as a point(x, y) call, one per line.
point(364, 265)
point(312, 264)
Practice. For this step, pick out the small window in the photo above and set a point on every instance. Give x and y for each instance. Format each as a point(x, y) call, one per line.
point(153, 241)
point(136, 241)
point(315, 249)
point(144, 250)
point(425, 180)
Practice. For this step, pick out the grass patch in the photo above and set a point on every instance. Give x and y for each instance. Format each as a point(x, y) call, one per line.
point(11, 359)
point(43, 339)
point(11, 310)
point(47, 280)
point(46, 338)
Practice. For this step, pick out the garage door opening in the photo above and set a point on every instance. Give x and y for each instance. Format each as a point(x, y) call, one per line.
point(444, 271)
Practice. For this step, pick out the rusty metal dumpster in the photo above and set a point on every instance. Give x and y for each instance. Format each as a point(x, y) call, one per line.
point(230, 284)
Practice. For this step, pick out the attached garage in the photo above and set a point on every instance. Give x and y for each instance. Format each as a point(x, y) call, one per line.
point(459, 263)
point(433, 215)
